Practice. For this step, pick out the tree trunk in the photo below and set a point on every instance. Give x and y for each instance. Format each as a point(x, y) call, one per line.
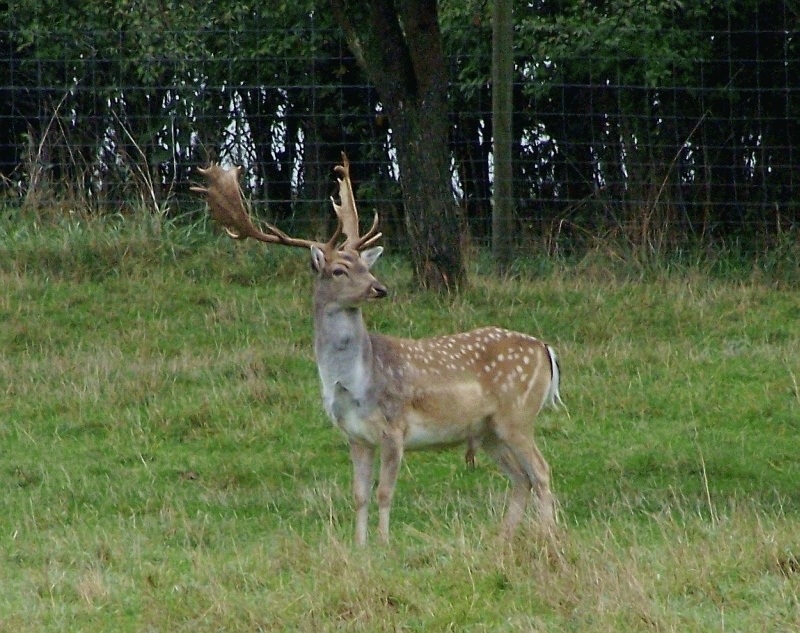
point(432, 217)
point(399, 45)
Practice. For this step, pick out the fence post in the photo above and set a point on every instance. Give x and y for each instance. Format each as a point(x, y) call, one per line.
point(502, 83)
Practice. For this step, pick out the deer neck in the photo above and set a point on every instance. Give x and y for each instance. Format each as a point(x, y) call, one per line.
point(344, 355)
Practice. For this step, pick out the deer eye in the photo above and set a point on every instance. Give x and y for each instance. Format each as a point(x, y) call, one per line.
point(338, 272)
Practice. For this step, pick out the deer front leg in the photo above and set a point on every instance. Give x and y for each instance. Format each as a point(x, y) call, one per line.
point(391, 456)
point(362, 457)
point(472, 448)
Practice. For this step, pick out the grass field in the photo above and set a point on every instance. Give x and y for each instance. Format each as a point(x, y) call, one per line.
point(166, 465)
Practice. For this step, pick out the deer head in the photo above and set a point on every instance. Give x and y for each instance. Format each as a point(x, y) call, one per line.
point(342, 265)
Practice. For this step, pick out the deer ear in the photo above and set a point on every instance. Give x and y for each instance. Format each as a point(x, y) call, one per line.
point(317, 259)
point(371, 255)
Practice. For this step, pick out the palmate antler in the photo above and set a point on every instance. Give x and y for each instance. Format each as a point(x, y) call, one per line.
point(227, 206)
point(348, 215)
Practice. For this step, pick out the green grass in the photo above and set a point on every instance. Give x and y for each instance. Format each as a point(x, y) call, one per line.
point(166, 465)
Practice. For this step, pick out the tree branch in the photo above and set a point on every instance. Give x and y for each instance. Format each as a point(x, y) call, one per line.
point(378, 43)
point(342, 16)
point(420, 24)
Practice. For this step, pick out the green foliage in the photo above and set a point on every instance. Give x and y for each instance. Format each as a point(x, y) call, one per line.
point(467, 33)
point(627, 42)
point(167, 465)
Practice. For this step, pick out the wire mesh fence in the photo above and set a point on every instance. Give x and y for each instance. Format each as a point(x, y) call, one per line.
point(646, 120)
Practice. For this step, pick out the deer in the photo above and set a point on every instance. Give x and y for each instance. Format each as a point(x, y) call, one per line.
point(388, 395)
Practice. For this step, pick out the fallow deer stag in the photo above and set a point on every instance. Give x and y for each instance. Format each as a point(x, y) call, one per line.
point(482, 387)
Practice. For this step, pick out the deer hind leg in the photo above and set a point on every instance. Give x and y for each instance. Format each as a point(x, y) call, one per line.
point(391, 456)
point(362, 457)
point(530, 460)
point(520, 484)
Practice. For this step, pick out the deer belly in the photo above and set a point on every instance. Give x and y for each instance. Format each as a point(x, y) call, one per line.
point(446, 416)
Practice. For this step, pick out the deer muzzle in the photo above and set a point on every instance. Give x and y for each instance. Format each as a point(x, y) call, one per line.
point(378, 290)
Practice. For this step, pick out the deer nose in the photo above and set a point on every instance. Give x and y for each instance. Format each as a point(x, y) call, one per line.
point(379, 290)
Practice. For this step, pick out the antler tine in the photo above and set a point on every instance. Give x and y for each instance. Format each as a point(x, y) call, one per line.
point(330, 245)
point(226, 204)
point(348, 214)
point(370, 237)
